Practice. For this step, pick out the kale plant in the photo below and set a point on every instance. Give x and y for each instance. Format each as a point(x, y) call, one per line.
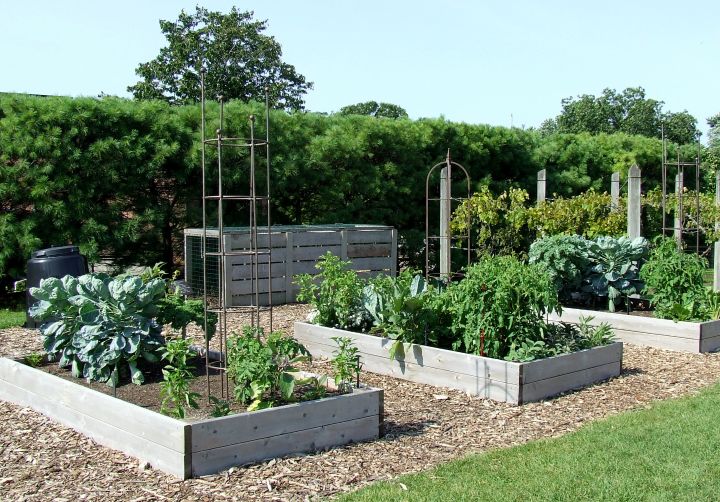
point(565, 257)
point(98, 325)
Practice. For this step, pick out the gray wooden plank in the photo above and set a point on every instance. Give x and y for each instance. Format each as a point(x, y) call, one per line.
point(476, 385)
point(369, 236)
point(151, 426)
point(368, 250)
point(632, 323)
point(709, 329)
point(312, 253)
point(163, 458)
point(371, 264)
point(240, 272)
point(568, 363)
point(542, 389)
point(245, 287)
point(240, 428)
point(318, 238)
point(277, 256)
point(709, 344)
point(242, 241)
point(336, 434)
point(278, 298)
point(420, 355)
point(658, 340)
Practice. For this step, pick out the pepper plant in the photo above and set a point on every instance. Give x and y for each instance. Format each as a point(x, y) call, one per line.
point(177, 375)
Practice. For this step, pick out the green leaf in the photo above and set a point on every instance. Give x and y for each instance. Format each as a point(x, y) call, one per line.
point(135, 374)
point(287, 386)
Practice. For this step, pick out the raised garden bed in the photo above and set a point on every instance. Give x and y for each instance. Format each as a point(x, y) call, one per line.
point(649, 331)
point(512, 382)
point(186, 449)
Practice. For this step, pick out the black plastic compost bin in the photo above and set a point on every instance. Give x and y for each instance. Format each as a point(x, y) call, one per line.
point(52, 262)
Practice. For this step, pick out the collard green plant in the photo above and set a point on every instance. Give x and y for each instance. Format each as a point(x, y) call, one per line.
point(338, 298)
point(614, 268)
point(262, 370)
point(98, 325)
point(565, 257)
point(674, 283)
point(177, 375)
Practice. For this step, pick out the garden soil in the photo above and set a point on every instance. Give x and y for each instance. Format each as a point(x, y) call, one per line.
point(40, 460)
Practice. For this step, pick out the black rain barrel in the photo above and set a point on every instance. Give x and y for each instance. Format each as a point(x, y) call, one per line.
point(52, 262)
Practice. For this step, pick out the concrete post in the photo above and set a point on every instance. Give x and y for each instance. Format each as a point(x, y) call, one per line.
point(541, 185)
point(614, 191)
point(678, 222)
point(445, 213)
point(716, 250)
point(633, 206)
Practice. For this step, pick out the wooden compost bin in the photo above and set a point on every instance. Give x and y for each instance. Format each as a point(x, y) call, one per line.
point(661, 333)
point(512, 382)
point(294, 249)
point(186, 449)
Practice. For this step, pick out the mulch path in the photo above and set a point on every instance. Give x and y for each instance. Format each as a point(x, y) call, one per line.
point(40, 460)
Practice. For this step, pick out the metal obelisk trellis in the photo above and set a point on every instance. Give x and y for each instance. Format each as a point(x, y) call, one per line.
point(445, 237)
point(679, 227)
point(258, 248)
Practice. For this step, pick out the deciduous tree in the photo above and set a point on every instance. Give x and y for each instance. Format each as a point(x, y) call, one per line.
point(239, 59)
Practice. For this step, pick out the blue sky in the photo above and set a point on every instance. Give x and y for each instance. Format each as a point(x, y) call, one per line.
point(495, 62)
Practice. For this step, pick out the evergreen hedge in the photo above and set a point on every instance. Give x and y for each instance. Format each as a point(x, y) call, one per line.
point(122, 178)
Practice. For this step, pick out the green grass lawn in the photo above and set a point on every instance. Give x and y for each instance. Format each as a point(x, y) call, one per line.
point(11, 318)
point(668, 452)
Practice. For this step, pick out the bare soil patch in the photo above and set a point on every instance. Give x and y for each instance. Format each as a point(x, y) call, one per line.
point(40, 460)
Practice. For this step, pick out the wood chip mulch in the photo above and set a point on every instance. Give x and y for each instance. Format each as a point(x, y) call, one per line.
point(40, 460)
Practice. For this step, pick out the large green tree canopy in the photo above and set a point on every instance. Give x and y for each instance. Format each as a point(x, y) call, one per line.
point(628, 111)
point(375, 109)
point(239, 59)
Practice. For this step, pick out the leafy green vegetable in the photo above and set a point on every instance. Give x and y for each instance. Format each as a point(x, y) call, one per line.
point(614, 270)
point(565, 257)
point(97, 324)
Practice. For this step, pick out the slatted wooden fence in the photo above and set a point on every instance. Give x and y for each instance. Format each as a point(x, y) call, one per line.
point(293, 249)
